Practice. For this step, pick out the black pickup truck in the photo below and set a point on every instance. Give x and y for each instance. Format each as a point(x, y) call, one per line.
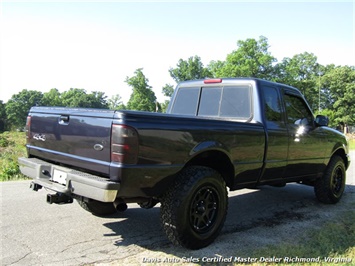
point(217, 133)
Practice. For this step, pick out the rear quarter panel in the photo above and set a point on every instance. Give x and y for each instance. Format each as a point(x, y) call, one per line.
point(171, 141)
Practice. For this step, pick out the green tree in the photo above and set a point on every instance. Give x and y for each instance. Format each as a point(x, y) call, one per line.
point(116, 103)
point(303, 72)
point(142, 97)
point(74, 98)
point(52, 98)
point(167, 91)
point(189, 69)
point(79, 98)
point(215, 68)
point(96, 99)
point(19, 105)
point(340, 81)
point(251, 59)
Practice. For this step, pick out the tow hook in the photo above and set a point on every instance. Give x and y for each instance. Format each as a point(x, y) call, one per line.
point(59, 198)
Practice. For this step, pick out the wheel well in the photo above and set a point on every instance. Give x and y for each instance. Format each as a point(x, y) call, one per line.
point(342, 154)
point(218, 161)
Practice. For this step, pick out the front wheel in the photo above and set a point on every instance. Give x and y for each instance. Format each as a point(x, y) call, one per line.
point(330, 188)
point(194, 208)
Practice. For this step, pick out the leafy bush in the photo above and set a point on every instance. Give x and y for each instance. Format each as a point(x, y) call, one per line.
point(10, 171)
point(4, 142)
point(12, 146)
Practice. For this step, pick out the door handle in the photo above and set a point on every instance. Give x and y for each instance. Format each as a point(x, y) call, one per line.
point(64, 119)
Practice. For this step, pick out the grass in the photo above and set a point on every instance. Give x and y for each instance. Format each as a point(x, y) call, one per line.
point(352, 144)
point(333, 243)
point(12, 146)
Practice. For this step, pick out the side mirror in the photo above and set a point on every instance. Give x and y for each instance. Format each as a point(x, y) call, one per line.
point(322, 121)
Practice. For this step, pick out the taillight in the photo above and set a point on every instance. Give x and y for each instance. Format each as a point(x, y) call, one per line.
point(124, 144)
point(28, 127)
point(209, 81)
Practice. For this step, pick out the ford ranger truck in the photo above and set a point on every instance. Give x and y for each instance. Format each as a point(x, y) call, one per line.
point(217, 133)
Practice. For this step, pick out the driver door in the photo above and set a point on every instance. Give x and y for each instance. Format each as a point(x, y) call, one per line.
point(305, 152)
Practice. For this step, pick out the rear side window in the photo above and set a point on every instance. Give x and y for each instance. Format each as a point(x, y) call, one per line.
point(228, 102)
point(236, 102)
point(186, 101)
point(272, 104)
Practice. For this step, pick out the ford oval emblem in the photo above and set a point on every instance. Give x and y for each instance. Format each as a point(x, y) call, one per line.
point(98, 147)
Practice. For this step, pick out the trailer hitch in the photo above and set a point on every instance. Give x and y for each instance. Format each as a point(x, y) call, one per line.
point(59, 198)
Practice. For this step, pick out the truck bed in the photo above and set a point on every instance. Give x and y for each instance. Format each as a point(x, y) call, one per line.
point(80, 138)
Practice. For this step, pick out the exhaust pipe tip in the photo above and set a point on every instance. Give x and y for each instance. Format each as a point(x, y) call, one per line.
point(121, 207)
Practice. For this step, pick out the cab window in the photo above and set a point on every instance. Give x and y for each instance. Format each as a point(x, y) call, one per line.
point(297, 111)
point(272, 105)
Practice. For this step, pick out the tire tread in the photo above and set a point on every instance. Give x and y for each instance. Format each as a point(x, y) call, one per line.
point(322, 187)
point(172, 201)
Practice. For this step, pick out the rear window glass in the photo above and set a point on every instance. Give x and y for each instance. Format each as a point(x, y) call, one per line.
point(210, 99)
point(231, 102)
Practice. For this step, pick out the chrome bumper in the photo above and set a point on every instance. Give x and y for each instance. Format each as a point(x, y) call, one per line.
point(72, 183)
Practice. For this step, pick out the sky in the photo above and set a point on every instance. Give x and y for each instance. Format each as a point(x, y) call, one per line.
point(96, 45)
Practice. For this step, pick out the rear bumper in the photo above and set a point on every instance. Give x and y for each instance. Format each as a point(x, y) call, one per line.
point(68, 181)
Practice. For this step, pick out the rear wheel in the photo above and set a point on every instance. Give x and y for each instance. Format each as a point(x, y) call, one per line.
point(194, 209)
point(330, 188)
point(98, 208)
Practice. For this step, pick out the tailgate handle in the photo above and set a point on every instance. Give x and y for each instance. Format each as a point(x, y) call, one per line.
point(64, 119)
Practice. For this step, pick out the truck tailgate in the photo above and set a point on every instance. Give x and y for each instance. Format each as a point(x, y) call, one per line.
point(77, 137)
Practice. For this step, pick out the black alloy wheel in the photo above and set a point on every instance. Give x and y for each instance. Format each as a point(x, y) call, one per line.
point(194, 208)
point(330, 188)
point(203, 211)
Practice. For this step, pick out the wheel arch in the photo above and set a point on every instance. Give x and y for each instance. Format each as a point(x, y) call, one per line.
point(341, 152)
point(217, 160)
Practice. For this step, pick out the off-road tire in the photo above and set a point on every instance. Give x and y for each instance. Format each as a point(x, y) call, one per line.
point(98, 208)
point(194, 208)
point(329, 189)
